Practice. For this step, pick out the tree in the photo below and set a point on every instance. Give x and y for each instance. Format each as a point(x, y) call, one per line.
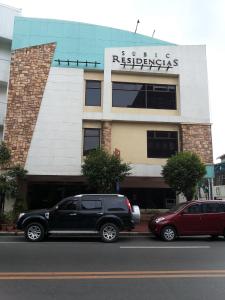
point(103, 170)
point(10, 176)
point(183, 172)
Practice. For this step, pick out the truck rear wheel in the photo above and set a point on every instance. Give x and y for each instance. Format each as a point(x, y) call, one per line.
point(109, 232)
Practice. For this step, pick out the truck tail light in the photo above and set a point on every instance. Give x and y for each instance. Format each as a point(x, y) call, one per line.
point(128, 204)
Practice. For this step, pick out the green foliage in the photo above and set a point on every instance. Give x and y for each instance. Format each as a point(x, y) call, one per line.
point(103, 170)
point(183, 172)
point(7, 218)
point(9, 180)
point(19, 206)
point(11, 217)
point(5, 155)
point(10, 176)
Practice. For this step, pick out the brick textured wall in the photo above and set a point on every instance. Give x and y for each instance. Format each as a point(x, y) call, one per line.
point(197, 138)
point(106, 135)
point(28, 76)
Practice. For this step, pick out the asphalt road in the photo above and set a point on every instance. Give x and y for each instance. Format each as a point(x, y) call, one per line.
point(132, 268)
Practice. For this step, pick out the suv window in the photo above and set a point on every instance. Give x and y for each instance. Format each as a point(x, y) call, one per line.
point(69, 205)
point(91, 204)
point(115, 204)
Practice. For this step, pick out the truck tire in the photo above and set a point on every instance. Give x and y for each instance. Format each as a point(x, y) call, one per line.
point(34, 232)
point(109, 232)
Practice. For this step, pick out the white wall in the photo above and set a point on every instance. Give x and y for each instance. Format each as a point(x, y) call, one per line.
point(192, 73)
point(3, 102)
point(57, 140)
point(146, 170)
point(7, 14)
point(5, 54)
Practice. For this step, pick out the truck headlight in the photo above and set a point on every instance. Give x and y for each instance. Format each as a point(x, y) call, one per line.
point(20, 215)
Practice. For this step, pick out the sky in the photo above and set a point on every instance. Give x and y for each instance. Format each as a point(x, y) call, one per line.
point(183, 22)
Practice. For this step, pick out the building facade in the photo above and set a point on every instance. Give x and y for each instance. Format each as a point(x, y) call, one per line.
point(74, 87)
point(7, 15)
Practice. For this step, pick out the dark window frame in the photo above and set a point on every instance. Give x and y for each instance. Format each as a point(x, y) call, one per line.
point(146, 95)
point(162, 144)
point(89, 89)
point(86, 136)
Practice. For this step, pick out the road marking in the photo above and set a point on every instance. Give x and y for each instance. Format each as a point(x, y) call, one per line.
point(165, 247)
point(12, 242)
point(111, 275)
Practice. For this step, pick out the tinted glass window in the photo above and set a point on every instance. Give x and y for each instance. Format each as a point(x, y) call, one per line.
point(162, 144)
point(161, 97)
point(91, 140)
point(69, 205)
point(212, 208)
point(136, 95)
point(129, 95)
point(93, 93)
point(221, 207)
point(115, 204)
point(91, 205)
point(194, 209)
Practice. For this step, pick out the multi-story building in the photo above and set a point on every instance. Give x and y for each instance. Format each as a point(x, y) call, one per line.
point(74, 87)
point(7, 15)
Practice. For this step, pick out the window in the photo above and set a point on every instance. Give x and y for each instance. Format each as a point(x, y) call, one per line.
point(91, 205)
point(194, 209)
point(91, 140)
point(161, 144)
point(93, 93)
point(143, 95)
point(69, 205)
point(212, 208)
point(115, 204)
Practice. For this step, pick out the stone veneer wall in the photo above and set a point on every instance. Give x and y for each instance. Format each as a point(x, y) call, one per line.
point(106, 135)
point(28, 76)
point(197, 138)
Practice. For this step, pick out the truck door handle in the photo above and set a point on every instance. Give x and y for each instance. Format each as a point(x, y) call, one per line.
point(100, 213)
point(74, 214)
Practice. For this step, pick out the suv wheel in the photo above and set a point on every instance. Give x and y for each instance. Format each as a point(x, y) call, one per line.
point(109, 232)
point(168, 233)
point(34, 232)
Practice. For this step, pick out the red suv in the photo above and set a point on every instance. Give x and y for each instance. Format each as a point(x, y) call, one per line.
point(190, 218)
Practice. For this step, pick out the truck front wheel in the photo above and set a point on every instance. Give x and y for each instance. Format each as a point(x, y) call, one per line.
point(34, 232)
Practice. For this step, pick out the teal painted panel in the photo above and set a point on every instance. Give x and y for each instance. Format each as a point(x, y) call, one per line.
point(209, 171)
point(76, 41)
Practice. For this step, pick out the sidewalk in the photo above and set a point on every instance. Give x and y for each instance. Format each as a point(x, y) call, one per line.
point(142, 227)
